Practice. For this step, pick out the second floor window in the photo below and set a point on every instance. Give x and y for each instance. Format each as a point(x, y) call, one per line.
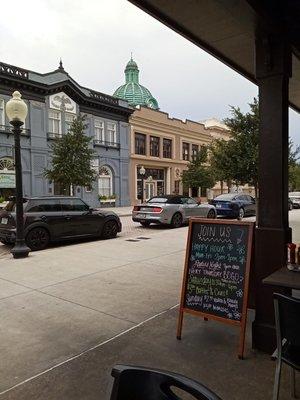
point(195, 150)
point(2, 114)
point(167, 148)
point(185, 151)
point(99, 130)
point(111, 132)
point(55, 122)
point(154, 146)
point(69, 118)
point(140, 143)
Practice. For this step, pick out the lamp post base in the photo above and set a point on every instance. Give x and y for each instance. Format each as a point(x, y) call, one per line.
point(20, 249)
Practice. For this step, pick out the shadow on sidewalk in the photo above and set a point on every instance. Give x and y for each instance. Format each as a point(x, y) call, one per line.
point(207, 353)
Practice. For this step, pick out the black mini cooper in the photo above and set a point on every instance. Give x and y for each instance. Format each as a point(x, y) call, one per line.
point(56, 218)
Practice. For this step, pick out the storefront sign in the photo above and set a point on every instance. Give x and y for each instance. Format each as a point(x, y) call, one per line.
point(7, 181)
point(216, 275)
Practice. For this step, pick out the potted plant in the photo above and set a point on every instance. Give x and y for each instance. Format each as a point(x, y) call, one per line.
point(107, 201)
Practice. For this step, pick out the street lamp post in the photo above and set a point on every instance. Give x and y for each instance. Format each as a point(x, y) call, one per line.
point(16, 111)
point(142, 172)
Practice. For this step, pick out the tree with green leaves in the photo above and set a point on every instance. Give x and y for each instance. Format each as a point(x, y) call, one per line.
point(221, 161)
point(294, 166)
point(72, 157)
point(237, 158)
point(198, 173)
point(243, 145)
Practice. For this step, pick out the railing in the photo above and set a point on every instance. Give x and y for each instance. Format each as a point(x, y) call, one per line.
point(103, 97)
point(13, 70)
point(7, 129)
point(53, 136)
point(107, 144)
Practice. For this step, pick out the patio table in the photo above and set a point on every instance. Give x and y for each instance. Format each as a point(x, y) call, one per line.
point(284, 278)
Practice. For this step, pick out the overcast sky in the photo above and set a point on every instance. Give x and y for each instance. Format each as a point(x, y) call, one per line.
point(94, 38)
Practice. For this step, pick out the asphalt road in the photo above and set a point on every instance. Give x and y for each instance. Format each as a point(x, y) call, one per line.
point(132, 229)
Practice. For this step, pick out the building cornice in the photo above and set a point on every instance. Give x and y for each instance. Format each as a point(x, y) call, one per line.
point(12, 78)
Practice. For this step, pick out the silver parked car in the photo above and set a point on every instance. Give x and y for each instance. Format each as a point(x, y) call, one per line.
point(173, 210)
point(295, 198)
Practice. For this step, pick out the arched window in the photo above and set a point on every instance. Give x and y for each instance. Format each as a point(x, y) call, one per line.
point(105, 181)
point(6, 164)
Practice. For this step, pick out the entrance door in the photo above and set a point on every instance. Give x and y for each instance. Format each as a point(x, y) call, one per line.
point(150, 189)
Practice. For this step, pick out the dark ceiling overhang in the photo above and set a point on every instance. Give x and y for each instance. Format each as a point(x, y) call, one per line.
point(227, 29)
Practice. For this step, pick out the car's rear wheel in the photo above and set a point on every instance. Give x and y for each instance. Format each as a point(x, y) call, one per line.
point(110, 230)
point(145, 224)
point(176, 221)
point(241, 213)
point(211, 214)
point(38, 238)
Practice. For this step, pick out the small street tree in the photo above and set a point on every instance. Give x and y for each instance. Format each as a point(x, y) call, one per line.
point(221, 161)
point(294, 166)
point(243, 145)
point(72, 157)
point(198, 173)
point(237, 158)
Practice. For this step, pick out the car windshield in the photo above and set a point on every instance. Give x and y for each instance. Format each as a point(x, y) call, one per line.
point(158, 200)
point(225, 197)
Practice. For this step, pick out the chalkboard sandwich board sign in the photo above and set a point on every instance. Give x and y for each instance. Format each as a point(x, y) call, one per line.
point(216, 274)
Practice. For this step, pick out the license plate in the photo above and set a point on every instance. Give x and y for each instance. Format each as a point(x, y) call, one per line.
point(142, 215)
point(4, 221)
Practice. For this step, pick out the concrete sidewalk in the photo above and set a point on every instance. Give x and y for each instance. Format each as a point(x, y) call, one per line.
point(206, 353)
point(62, 301)
point(69, 314)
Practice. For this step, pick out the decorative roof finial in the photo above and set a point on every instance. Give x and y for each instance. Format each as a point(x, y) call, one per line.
point(131, 56)
point(61, 65)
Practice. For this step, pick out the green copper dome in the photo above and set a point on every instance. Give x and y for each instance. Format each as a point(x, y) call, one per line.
point(132, 91)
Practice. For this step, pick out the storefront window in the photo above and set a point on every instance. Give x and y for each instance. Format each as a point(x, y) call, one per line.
point(155, 173)
point(105, 182)
point(140, 143)
point(167, 148)
point(154, 182)
point(160, 188)
point(154, 146)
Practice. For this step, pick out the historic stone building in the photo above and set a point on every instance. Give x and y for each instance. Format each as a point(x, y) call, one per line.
point(164, 146)
point(54, 99)
point(161, 144)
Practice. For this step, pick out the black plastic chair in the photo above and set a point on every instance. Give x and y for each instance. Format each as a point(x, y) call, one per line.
point(287, 319)
point(139, 383)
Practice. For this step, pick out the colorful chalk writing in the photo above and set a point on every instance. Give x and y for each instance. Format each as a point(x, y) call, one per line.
point(216, 270)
